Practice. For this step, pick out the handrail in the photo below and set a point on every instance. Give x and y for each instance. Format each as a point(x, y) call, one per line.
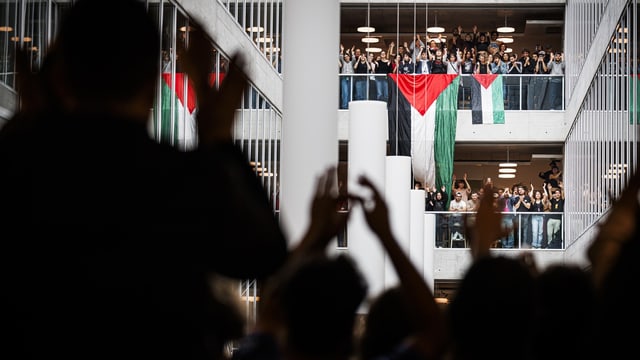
point(521, 91)
point(448, 233)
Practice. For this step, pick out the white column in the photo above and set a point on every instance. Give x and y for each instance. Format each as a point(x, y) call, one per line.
point(429, 245)
point(310, 43)
point(367, 153)
point(416, 223)
point(398, 185)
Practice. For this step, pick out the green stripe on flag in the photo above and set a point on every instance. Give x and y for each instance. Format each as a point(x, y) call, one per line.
point(497, 98)
point(445, 134)
point(168, 126)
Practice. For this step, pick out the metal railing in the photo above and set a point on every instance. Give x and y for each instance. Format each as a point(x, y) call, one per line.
point(520, 92)
point(528, 230)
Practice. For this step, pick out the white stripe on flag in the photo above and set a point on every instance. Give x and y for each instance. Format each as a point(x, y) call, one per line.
point(487, 104)
point(422, 153)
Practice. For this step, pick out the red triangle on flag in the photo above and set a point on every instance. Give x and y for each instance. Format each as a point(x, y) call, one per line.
point(485, 79)
point(422, 90)
point(191, 92)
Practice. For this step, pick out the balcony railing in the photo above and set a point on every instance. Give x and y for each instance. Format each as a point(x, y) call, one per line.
point(527, 230)
point(521, 92)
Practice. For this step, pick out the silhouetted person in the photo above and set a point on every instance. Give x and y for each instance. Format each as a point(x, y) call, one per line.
point(492, 314)
point(111, 237)
point(309, 307)
point(565, 316)
point(419, 330)
point(614, 256)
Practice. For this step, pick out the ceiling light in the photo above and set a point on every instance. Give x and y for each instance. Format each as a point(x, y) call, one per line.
point(508, 163)
point(366, 29)
point(373, 49)
point(547, 156)
point(506, 176)
point(507, 170)
point(435, 28)
point(508, 50)
point(370, 40)
point(264, 39)
point(6, 28)
point(505, 39)
point(441, 300)
point(505, 28)
point(25, 39)
point(255, 29)
point(186, 28)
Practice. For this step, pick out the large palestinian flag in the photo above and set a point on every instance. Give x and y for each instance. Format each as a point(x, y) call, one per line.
point(423, 113)
point(487, 99)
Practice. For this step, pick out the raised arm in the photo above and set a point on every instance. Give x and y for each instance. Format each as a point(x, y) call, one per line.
point(216, 108)
point(430, 339)
point(487, 227)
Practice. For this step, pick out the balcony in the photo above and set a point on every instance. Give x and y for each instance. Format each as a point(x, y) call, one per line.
point(527, 104)
point(521, 92)
point(449, 231)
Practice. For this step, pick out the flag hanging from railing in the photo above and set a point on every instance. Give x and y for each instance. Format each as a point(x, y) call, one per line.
point(177, 124)
point(487, 99)
point(421, 106)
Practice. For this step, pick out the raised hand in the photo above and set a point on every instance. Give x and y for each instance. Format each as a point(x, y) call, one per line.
point(326, 220)
point(216, 108)
point(487, 227)
point(376, 211)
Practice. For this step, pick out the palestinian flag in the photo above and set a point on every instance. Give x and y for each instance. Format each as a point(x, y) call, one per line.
point(176, 125)
point(487, 99)
point(423, 113)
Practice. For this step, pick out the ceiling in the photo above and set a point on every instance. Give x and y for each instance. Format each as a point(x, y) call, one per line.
point(534, 23)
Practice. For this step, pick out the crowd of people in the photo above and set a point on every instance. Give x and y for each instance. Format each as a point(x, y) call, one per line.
point(475, 52)
point(532, 215)
point(112, 240)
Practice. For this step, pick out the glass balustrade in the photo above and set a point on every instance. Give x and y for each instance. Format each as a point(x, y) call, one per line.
point(535, 231)
point(520, 92)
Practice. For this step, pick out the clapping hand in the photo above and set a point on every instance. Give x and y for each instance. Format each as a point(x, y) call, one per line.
point(216, 108)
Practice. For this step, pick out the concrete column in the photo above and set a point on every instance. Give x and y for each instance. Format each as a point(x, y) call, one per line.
point(429, 253)
point(416, 240)
point(398, 186)
point(367, 153)
point(310, 46)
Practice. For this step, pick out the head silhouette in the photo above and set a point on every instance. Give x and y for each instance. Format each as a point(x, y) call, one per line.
point(122, 70)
